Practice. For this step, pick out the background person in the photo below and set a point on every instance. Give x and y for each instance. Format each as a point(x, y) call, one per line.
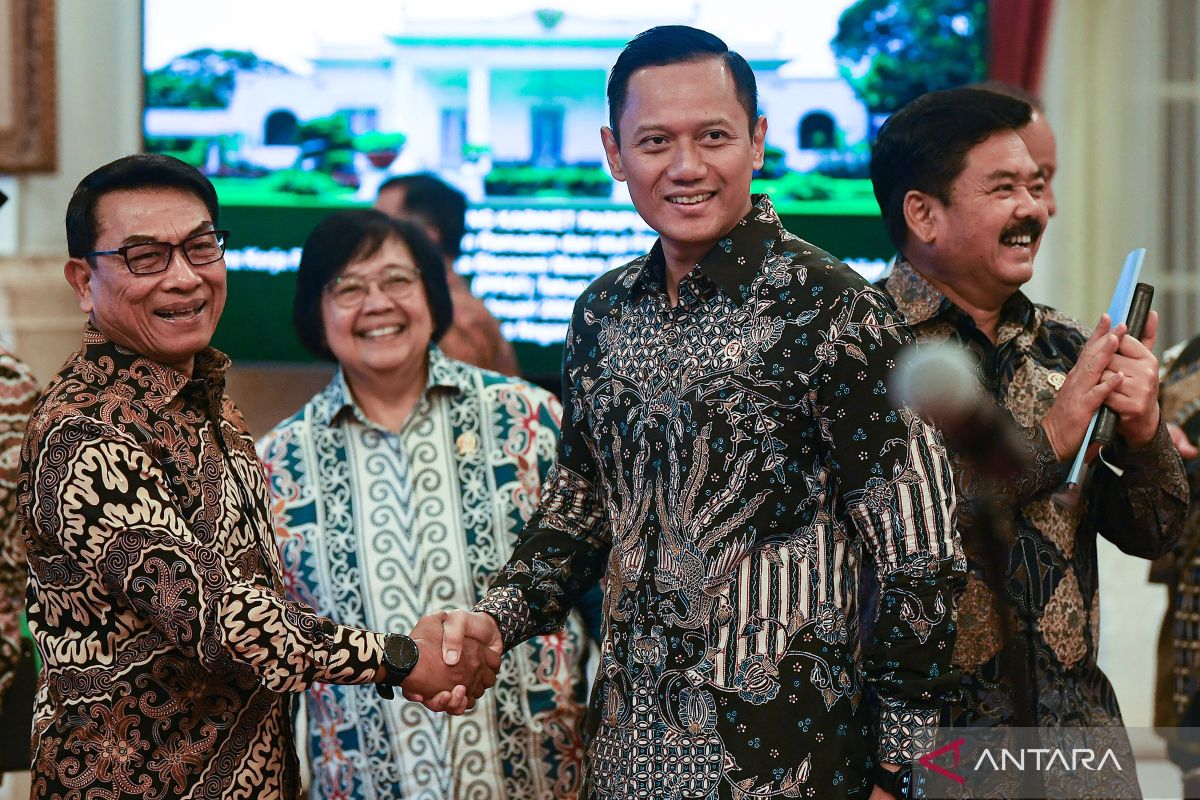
point(18, 390)
point(474, 334)
point(963, 201)
point(155, 586)
point(398, 490)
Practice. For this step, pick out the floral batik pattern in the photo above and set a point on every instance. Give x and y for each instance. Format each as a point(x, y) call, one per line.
point(728, 464)
point(378, 528)
point(154, 590)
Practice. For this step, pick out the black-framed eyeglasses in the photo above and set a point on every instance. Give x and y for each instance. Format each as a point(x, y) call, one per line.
point(147, 258)
point(350, 291)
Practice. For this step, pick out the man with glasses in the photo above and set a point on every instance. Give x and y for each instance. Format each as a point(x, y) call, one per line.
point(155, 596)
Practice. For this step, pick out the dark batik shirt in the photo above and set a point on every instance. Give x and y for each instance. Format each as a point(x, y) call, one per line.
point(727, 464)
point(1044, 555)
point(154, 590)
point(18, 390)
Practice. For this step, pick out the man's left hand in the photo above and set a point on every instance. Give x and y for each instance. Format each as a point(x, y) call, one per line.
point(1135, 399)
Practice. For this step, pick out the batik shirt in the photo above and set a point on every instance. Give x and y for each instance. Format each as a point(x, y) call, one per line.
point(1042, 554)
point(154, 591)
point(378, 529)
point(728, 463)
point(18, 390)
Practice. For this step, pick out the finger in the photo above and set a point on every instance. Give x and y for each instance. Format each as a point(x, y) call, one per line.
point(1150, 333)
point(491, 658)
point(454, 630)
point(413, 696)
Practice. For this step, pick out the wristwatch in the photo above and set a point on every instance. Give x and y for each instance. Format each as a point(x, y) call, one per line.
point(400, 656)
point(898, 784)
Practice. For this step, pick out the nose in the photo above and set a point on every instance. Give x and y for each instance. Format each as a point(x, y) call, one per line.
point(180, 273)
point(1028, 205)
point(377, 299)
point(688, 163)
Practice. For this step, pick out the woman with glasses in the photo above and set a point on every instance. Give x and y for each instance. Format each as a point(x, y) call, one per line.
point(398, 490)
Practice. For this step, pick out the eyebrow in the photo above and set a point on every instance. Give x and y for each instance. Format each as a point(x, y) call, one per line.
point(657, 126)
point(142, 238)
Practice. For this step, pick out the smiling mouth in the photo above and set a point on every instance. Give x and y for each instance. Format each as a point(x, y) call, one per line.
point(691, 199)
point(1023, 236)
point(178, 314)
point(379, 333)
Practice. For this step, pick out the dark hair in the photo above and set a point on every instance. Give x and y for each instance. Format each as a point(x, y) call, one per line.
point(138, 171)
point(1015, 92)
point(352, 235)
point(436, 203)
point(676, 44)
point(924, 146)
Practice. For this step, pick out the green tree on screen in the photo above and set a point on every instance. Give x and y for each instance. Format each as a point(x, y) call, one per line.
point(892, 51)
point(202, 78)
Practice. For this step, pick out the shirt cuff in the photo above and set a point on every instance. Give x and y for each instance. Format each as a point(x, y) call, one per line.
point(507, 606)
point(906, 734)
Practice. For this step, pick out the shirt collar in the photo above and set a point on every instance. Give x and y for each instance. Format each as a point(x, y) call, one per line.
point(734, 260)
point(444, 374)
point(155, 383)
point(920, 301)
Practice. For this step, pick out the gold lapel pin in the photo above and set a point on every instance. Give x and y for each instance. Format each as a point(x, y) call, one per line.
point(1056, 379)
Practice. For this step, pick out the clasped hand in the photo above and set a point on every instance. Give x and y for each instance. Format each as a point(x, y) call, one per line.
point(460, 654)
point(1113, 369)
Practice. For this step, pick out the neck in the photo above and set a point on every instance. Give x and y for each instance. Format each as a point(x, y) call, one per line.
point(982, 307)
point(388, 399)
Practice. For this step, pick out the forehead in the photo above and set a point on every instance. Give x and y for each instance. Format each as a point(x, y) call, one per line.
point(679, 94)
point(1003, 152)
point(392, 252)
point(155, 212)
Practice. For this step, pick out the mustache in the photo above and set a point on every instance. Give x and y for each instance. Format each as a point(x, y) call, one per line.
point(1026, 226)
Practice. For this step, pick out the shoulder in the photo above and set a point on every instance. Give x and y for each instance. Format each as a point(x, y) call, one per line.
point(17, 383)
point(608, 289)
point(1057, 324)
point(288, 430)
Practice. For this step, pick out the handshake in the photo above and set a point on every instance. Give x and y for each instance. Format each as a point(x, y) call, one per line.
point(458, 656)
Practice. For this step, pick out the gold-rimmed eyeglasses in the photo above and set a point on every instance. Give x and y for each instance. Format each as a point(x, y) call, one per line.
point(349, 291)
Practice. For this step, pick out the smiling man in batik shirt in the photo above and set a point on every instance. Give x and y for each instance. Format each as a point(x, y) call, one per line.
point(729, 458)
point(155, 597)
point(964, 202)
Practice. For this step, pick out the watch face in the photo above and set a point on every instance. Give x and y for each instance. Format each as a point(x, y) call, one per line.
point(401, 653)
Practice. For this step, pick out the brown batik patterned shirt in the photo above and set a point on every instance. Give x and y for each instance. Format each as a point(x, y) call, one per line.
point(728, 463)
point(1044, 555)
point(154, 590)
point(18, 390)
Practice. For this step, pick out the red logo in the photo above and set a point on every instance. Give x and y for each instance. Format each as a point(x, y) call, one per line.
point(927, 760)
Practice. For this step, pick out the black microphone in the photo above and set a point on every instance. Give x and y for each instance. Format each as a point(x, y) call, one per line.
point(938, 382)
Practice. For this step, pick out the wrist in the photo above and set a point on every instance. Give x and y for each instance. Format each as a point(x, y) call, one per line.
point(400, 656)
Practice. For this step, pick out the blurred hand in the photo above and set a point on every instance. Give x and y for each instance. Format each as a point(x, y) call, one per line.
point(443, 686)
point(1135, 398)
point(1187, 450)
point(1087, 386)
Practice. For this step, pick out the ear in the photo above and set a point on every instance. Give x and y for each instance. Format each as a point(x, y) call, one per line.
point(759, 141)
point(921, 213)
point(78, 273)
point(612, 152)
